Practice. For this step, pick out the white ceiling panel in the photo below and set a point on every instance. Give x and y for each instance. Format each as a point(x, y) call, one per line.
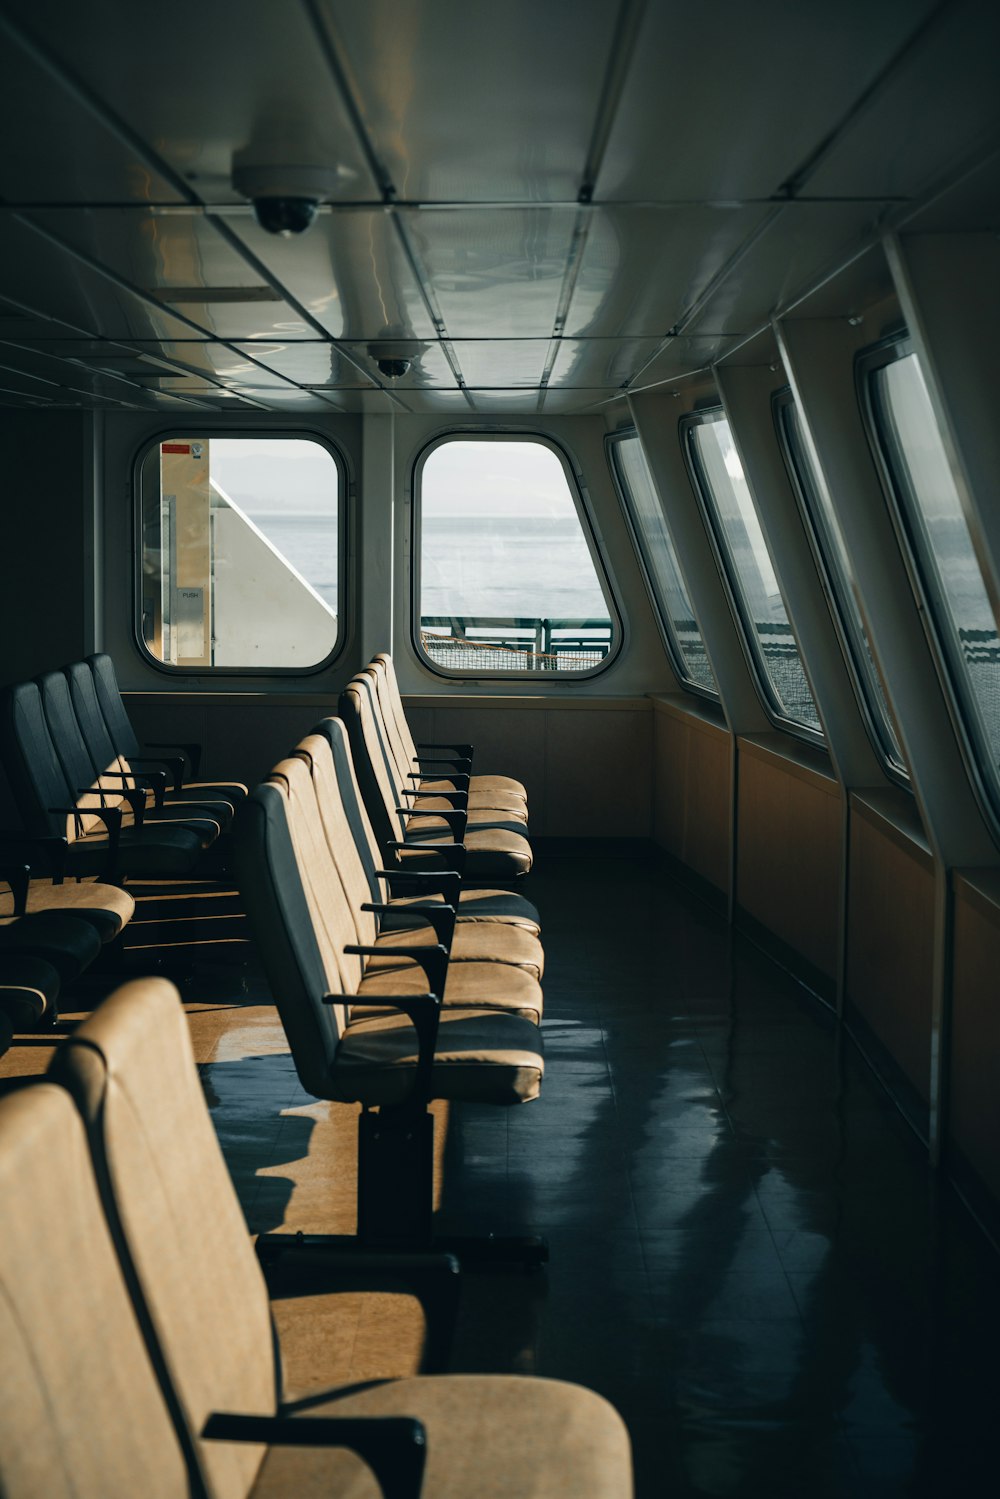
point(683, 356)
point(495, 272)
point(428, 363)
point(600, 362)
point(936, 107)
point(725, 102)
point(641, 267)
point(803, 241)
point(349, 272)
point(215, 80)
point(184, 262)
point(503, 362)
point(54, 282)
point(477, 103)
point(314, 363)
point(65, 153)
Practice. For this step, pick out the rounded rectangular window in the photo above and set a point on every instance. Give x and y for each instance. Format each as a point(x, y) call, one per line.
point(506, 578)
point(767, 630)
point(916, 464)
point(659, 563)
point(240, 552)
point(836, 562)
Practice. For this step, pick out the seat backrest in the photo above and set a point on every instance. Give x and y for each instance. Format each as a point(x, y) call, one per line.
point(373, 763)
point(33, 767)
point(402, 759)
point(340, 832)
point(300, 968)
point(362, 833)
point(100, 746)
point(81, 1413)
point(394, 700)
point(67, 737)
point(178, 1226)
point(110, 698)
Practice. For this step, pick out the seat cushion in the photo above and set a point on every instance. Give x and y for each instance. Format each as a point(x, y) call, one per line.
point(29, 988)
point(492, 855)
point(492, 1436)
point(500, 807)
point(491, 986)
point(474, 942)
point(107, 908)
point(69, 943)
point(483, 906)
point(481, 1057)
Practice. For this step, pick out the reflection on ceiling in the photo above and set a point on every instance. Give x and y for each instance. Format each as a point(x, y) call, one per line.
point(523, 207)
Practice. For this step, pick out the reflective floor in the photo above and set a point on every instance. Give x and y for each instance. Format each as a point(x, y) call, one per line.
point(748, 1256)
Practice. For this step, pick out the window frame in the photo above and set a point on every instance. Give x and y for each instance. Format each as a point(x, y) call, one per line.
point(664, 621)
point(198, 430)
point(748, 635)
point(845, 611)
point(958, 693)
point(581, 502)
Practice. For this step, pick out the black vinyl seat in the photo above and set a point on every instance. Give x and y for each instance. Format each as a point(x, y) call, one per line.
point(83, 837)
point(123, 737)
point(113, 767)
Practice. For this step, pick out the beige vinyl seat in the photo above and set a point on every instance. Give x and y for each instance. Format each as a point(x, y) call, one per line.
point(378, 920)
point(495, 791)
point(477, 904)
point(29, 989)
point(144, 1320)
point(394, 1062)
point(412, 836)
point(107, 908)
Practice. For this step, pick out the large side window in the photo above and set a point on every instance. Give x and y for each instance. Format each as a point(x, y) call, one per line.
point(659, 562)
point(915, 463)
point(835, 560)
point(506, 577)
point(719, 477)
point(239, 552)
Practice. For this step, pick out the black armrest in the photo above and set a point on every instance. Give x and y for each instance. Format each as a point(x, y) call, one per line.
point(135, 797)
point(112, 820)
point(459, 799)
point(452, 760)
point(440, 917)
point(394, 1447)
point(424, 1010)
point(18, 877)
point(154, 780)
point(175, 763)
point(454, 851)
point(433, 960)
point(447, 883)
point(456, 820)
point(466, 751)
point(459, 777)
point(193, 752)
point(52, 849)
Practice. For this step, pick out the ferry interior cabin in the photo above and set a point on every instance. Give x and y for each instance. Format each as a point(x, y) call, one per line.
point(499, 500)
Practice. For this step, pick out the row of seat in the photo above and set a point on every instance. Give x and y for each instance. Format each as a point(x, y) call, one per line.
point(86, 807)
point(388, 1000)
point(416, 803)
point(136, 1343)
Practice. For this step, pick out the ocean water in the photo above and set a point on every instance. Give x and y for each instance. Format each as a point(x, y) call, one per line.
point(502, 567)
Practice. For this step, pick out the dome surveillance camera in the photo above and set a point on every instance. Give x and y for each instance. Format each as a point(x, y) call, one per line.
point(392, 369)
point(285, 216)
point(285, 199)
